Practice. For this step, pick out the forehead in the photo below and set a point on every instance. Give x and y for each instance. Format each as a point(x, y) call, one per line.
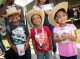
point(15, 14)
point(60, 13)
point(36, 15)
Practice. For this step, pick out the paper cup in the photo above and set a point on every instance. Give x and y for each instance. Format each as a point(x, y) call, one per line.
point(20, 49)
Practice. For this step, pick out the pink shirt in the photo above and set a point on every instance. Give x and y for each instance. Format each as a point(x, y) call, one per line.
point(66, 49)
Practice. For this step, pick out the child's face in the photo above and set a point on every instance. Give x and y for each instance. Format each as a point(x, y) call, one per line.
point(61, 17)
point(14, 18)
point(36, 20)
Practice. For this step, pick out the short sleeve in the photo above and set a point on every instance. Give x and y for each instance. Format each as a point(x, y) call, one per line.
point(72, 26)
point(48, 31)
point(55, 30)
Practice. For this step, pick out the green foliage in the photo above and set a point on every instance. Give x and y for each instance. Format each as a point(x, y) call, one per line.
point(2, 2)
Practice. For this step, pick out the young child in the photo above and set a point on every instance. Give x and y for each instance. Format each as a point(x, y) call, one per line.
point(64, 34)
point(17, 34)
point(46, 22)
point(40, 35)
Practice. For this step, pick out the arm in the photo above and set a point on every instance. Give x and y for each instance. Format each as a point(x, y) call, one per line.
point(51, 42)
point(10, 40)
point(27, 42)
point(11, 44)
point(33, 42)
point(73, 35)
point(57, 38)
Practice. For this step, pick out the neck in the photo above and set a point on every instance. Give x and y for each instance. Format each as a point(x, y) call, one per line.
point(16, 23)
point(37, 27)
point(63, 25)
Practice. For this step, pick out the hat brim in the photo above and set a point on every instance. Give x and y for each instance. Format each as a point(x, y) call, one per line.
point(62, 5)
point(33, 12)
point(17, 11)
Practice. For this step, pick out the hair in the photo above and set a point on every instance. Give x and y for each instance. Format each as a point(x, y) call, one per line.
point(47, 1)
point(33, 15)
point(58, 11)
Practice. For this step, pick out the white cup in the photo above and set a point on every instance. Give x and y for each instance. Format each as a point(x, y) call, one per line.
point(20, 49)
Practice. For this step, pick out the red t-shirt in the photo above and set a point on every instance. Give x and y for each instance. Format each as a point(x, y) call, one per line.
point(46, 29)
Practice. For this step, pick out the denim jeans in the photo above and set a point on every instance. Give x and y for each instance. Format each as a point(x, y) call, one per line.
point(43, 55)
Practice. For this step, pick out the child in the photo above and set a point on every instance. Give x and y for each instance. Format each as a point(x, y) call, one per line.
point(46, 22)
point(17, 34)
point(64, 34)
point(40, 35)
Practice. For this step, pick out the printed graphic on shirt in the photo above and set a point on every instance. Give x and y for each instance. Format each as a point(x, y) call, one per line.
point(18, 35)
point(62, 32)
point(43, 43)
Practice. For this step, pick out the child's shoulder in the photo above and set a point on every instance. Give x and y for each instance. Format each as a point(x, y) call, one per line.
point(71, 25)
point(45, 27)
point(32, 30)
point(56, 27)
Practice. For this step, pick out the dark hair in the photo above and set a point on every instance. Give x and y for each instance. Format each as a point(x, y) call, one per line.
point(47, 1)
point(33, 15)
point(58, 11)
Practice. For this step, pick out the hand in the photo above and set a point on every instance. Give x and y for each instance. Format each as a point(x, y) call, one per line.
point(65, 36)
point(14, 48)
point(25, 46)
point(61, 38)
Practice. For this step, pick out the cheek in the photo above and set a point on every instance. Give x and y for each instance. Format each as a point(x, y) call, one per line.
point(16, 17)
point(34, 21)
point(57, 19)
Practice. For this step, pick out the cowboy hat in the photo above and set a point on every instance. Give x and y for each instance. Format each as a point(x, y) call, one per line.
point(12, 10)
point(62, 5)
point(34, 12)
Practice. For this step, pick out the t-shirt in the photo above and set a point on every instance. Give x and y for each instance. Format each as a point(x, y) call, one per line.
point(66, 48)
point(17, 34)
point(46, 29)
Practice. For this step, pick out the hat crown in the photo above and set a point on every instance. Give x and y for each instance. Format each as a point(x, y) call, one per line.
point(11, 10)
point(33, 12)
point(51, 16)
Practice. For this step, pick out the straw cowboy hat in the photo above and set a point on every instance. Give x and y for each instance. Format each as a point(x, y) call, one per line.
point(62, 5)
point(12, 10)
point(33, 12)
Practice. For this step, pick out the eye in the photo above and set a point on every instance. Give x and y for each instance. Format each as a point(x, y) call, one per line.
point(64, 15)
point(58, 17)
point(22, 37)
point(13, 34)
point(18, 36)
point(38, 17)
